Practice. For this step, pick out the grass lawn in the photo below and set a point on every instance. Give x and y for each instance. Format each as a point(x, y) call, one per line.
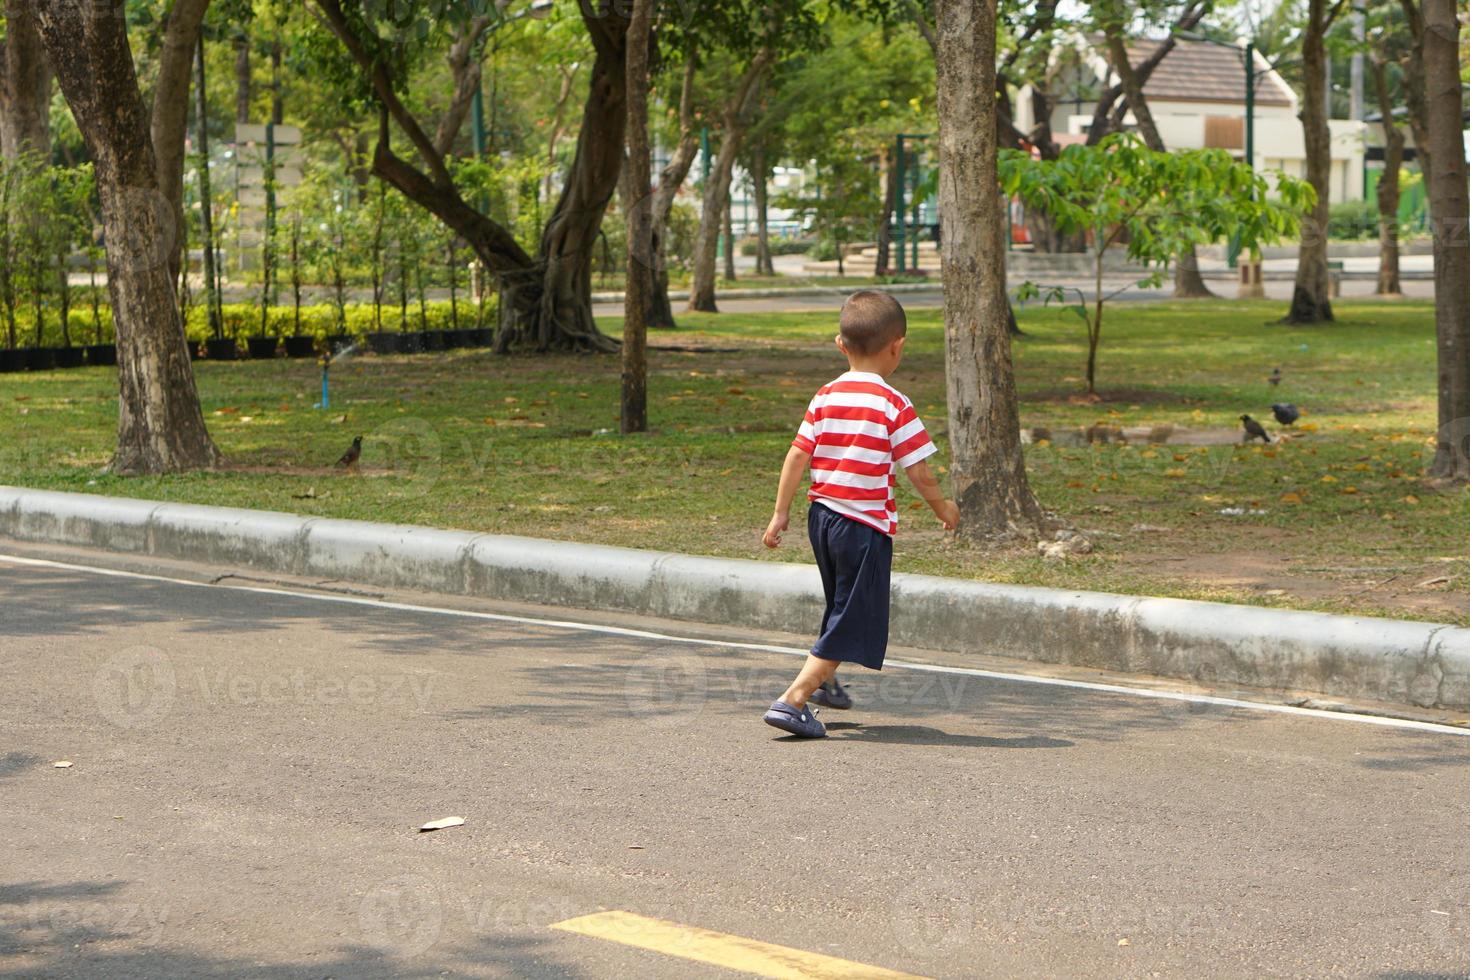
point(1335, 519)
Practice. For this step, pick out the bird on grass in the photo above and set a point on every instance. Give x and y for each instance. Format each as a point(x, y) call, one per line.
point(1285, 412)
point(354, 453)
point(1254, 429)
point(1275, 378)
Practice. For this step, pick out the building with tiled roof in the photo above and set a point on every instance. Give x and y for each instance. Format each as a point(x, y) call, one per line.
point(1197, 98)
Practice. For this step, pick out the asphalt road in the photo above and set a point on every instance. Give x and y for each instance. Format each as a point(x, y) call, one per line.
point(249, 770)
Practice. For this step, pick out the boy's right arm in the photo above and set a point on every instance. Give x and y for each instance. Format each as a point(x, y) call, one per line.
point(791, 472)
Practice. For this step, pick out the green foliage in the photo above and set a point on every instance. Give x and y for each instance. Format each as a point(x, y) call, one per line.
point(1155, 205)
point(45, 214)
point(843, 204)
point(321, 320)
point(1353, 220)
point(780, 245)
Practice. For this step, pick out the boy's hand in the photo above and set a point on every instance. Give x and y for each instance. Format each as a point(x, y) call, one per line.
point(779, 523)
point(948, 513)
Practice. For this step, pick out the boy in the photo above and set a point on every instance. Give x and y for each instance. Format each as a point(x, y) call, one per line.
point(857, 433)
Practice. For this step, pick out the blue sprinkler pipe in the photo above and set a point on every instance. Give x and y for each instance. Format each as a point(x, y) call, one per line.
point(326, 401)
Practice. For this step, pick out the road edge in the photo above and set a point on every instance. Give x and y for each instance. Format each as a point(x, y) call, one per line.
point(1426, 665)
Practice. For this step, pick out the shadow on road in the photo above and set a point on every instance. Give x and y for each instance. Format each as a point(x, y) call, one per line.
point(94, 929)
point(924, 735)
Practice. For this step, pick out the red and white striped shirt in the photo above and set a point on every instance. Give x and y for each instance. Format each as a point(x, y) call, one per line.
point(859, 430)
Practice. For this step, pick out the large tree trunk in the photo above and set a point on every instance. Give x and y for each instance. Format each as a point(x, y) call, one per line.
point(170, 116)
point(634, 412)
point(735, 119)
point(1449, 209)
point(563, 317)
point(1310, 300)
point(987, 467)
point(660, 310)
point(1388, 185)
point(25, 86)
point(160, 425)
point(545, 302)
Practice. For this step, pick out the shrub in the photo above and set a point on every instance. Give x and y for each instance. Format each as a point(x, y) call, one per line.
point(242, 320)
point(783, 245)
point(1353, 220)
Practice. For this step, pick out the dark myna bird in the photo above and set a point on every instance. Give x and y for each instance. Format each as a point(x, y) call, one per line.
point(1253, 429)
point(1275, 378)
point(354, 453)
point(1285, 413)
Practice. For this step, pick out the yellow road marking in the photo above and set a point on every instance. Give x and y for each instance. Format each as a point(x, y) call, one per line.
point(722, 949)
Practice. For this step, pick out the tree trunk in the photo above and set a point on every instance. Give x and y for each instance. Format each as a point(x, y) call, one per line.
point(464, 70)
point(170, 116)
point(760, 175)
point(660, 310)
point(634, 410)
point(206, 201)
point(242, 78)
point(987, 467)
point(728, 222)
point(1414, 91)
point(1449, 209)
point(1388, 185)
point(545, 302)
point(25, 86)
point(563, 314)
point(1310, 300)
point(887, 192)
point(736, 117)
point(1188, 283)
point(160, 425)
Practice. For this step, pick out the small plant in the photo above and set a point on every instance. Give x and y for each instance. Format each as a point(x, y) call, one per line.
point(1152, 204)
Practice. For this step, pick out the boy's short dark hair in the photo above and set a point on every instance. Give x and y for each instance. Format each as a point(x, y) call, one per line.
point(871, 320)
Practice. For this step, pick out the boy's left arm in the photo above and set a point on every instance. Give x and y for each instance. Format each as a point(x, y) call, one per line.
point(791, 471)
point(926, 485)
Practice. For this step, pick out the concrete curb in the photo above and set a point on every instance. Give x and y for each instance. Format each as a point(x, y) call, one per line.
point(1423, 664)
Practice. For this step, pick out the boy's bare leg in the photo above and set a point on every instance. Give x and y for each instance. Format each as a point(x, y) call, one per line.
point(814, 673)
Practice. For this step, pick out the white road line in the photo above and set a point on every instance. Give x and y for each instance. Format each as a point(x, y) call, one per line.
point(1284, 709)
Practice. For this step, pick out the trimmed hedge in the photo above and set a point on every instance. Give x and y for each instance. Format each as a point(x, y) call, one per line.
point(242, 321)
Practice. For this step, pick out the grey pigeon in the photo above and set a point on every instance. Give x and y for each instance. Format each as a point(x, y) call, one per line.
point(1254, 429)
point(1286, 413)
point(1275, 378)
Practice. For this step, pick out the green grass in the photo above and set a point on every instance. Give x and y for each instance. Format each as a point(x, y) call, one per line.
point(528, 445)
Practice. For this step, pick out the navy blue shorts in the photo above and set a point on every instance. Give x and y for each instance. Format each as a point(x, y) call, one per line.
point(855, 561)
